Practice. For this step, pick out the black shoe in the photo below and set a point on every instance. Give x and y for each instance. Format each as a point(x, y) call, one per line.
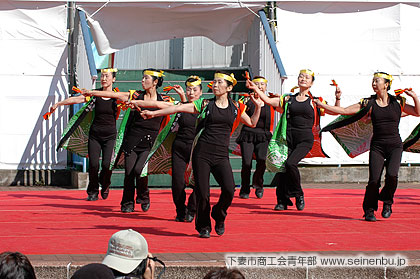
point(259, 193)
point(220, 228)
point(189, 217)
point(243, 195)
point(280, 207)
point(138, 200)
point(128, 208)
point(370, 215)
point(145, 206)
point(179, 218)
point(105, 193)
point(386, 210)
point(204, 233)
point(92, 197)
point(300, 203)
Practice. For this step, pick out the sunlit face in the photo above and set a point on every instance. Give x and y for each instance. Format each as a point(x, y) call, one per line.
point(147, 82)
point(305, 80)
point(107, 79)
point(220, 87)
point(379, 84)
point(193, 93)
point(262, 86)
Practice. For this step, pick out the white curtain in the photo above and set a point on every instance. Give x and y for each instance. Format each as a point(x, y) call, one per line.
point(33, 55)
point(348, 42)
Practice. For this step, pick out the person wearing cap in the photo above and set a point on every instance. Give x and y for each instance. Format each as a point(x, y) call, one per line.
point(128, 255)
point(138, 136)
point(102, 133)
point(386, 148)
point(218, 118)
point(254, 142)
point(301, 118)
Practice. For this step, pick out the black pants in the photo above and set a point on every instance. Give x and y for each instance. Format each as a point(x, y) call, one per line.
point(209, 158)
point(95, 147)
point(289, 181)
point(381, 155)
point(247, 150)
point(181, 153)
point(134, 163)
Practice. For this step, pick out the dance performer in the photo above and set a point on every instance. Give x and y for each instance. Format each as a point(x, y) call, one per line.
point(255, 141)
point(171, 152)
point(138, 137)
point(301, 116)
point(102, 133)
point(181, 152)
point(385, 147)
point(218, 117)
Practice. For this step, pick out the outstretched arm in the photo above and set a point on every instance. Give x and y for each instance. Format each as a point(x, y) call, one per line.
point(189, 108)
point(138, 104)
point(274, 102)
point(122, 96)
point(338, 110)
point(409, 109)
point(69, 101)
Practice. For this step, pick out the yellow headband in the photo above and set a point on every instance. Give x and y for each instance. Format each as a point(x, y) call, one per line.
point(259, 80)
point(307, 71)
point(230, 78)
point(194, 83)
point(109, 70)
point(154, 73)
point(385, 76)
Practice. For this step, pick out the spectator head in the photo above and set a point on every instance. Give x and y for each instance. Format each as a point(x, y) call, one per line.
point(93, 271)
point(14, 265)
point(127, 252)
point(224, 273)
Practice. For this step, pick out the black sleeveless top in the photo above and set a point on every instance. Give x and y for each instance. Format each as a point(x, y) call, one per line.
point(186, 130)
point(385, 121)
point(300, 119)
point(218, 124)
point(103, 126)
point(261, 132)
point(141, 133)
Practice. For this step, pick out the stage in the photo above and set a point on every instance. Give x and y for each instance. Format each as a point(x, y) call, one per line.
point(60, 225)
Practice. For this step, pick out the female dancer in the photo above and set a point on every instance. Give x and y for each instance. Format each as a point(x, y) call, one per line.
point(385, 146)
point(255, 141)
point(219, 116)
point(102, 134)
point(181, 152)
point(171, 152)
point(301, 116)
point(139, 136)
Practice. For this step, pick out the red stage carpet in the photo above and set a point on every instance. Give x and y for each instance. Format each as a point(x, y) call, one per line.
point(63, 222)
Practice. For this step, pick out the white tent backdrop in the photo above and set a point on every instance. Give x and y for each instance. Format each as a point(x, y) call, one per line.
point(120, 25)
point(348, 42)
point(341, 40)
point(33, 40)
point(33, 55)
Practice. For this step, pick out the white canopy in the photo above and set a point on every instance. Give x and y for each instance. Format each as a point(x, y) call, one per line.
point(119, 25)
